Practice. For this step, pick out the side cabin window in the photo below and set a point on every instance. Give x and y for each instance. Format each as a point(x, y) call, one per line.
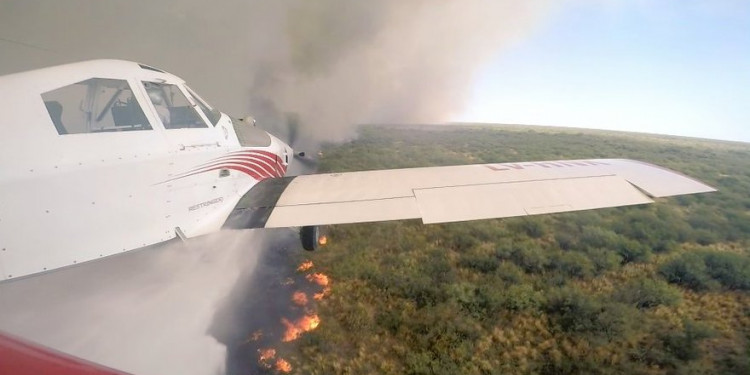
point(174, 109)
point(95, 105)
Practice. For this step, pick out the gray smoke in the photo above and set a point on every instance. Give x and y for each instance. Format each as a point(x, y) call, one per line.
point(335, 63)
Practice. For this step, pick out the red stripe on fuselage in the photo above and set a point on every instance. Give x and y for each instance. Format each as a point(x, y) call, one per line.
point(257, 164)
point(269, 158)
point(272, 158)
point(263, 166)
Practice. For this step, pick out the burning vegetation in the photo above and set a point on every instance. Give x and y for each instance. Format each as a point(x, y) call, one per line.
point(283, 366)
point(295, 329)
point(304, 266)
point(299, 298)
point(297, 318)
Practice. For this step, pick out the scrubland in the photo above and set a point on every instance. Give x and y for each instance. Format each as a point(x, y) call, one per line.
point(653, 289)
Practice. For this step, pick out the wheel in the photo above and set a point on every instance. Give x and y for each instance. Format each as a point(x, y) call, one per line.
point(309, 236)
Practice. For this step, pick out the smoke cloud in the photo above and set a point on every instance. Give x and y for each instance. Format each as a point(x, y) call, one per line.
point(334, 62)
point(387, 61)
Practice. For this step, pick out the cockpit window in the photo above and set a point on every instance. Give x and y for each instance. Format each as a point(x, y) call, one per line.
point(211, 114)
point(173, 107)
point(95, 105)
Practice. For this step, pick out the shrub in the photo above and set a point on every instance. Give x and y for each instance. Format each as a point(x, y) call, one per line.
point(603, 259)
point(530, 257)
point(522, 297)
point(730, 269)
point(688, 270)
point(532, 227)
point(510, 273)
point(708, 269)
point(684, 345)
point(633, 251)
point(659, 230)
point(479, 263)
point(566, 240)
point(705, 237)
point(573, 264)
point(596, 237)
point(580, 313)
point(645, 293)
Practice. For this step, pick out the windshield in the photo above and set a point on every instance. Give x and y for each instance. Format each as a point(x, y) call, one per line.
point(213, 115)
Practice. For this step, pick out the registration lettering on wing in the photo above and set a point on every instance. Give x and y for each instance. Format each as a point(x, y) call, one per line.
point(544, 165)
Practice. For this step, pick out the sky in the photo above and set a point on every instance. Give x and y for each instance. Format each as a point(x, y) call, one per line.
point(670, 67)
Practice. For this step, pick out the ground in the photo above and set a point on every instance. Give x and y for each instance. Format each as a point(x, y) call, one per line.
point(654, 289)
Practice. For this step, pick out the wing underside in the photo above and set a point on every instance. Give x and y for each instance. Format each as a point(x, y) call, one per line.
point(457, 193)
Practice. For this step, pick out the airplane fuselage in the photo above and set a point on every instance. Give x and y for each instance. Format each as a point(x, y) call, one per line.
point(93, 166)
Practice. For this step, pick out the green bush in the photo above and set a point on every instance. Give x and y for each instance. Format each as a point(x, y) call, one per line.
point(522, 297)
point(603, 259)
point(483, 264)
point(645, 293)
point(705, 237)
point(532, 227)
point(633, 251)
point(531, 258)
point(688, 270)
point(706, 270)
point(659, 228)
point(595, 237)
point(566, 240)
point(573, 264)
point(576, 312)
point(730, 269)
point(510, 273)
point(684, 345)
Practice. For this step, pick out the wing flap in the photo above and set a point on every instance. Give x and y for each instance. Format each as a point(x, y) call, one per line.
point(473, 202)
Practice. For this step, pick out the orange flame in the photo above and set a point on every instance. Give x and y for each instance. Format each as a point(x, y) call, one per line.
point(265, 355)
point(318, 278)
point(319, 296)
point(299, 298)
point(323, 240)
point(283, 366)
point(304, 266)
point(295, 329)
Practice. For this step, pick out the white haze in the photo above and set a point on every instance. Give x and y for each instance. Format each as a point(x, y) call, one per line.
point(147, 312)
point(334, 62)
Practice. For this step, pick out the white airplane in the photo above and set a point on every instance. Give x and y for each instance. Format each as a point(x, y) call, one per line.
point(104, 157)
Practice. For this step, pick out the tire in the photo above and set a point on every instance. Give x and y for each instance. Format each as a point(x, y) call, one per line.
point(309, 237)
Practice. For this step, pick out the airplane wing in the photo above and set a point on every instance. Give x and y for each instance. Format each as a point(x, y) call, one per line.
point(457, 193)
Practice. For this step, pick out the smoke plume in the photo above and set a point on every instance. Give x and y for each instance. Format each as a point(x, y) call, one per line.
point(333, 62)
